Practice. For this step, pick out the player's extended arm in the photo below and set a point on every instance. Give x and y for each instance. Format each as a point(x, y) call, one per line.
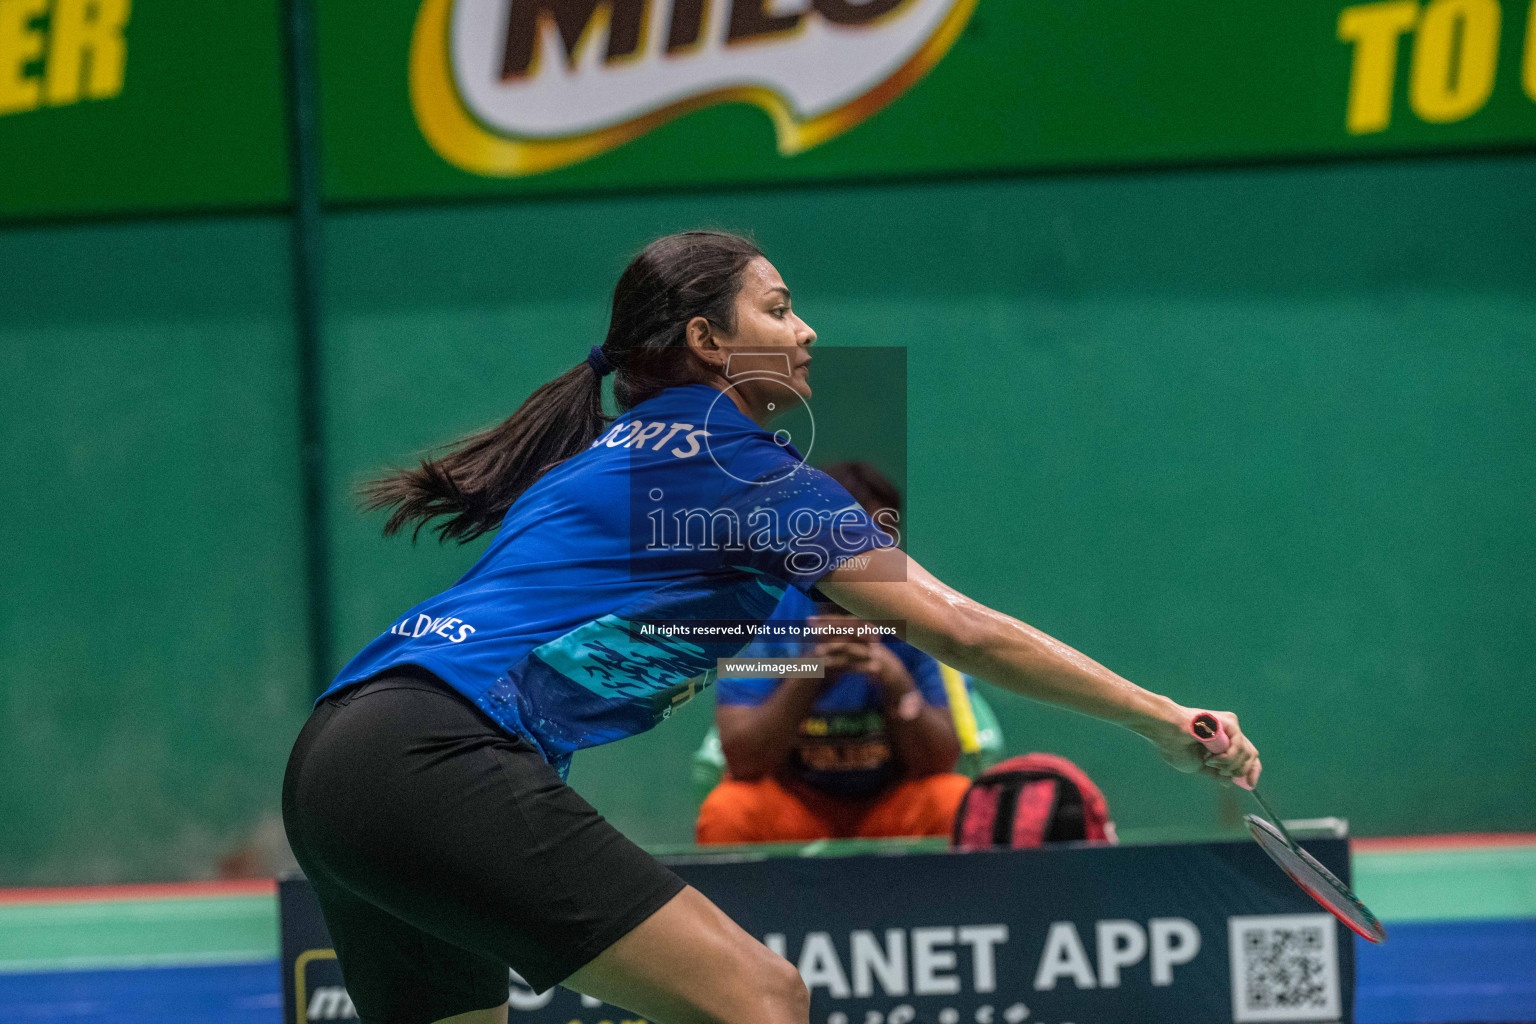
point(1000, 649)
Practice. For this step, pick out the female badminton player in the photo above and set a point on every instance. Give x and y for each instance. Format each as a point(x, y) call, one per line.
point(425, 797)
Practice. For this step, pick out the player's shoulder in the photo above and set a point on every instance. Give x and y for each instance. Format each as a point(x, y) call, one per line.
point(747, 440)
point(753, 461)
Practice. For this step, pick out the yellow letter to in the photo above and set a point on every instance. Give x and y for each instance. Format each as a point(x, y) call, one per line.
point(1452, 79)
point(20, 44)
point(85, 42)
point(1374, 29)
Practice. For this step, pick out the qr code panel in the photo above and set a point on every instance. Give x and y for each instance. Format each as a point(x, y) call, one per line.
point(1285, 967)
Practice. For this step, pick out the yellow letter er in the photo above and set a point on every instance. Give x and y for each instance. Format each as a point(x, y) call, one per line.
point(1528, 75)
point(1374, 29)
point(20, 45)
point(86, 47)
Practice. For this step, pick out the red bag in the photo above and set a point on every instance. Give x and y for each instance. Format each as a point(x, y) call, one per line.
point(1030, 800)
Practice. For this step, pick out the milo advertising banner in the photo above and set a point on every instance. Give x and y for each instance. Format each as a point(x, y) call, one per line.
point(110, 106)
point(1207, 933)
point(463, 97)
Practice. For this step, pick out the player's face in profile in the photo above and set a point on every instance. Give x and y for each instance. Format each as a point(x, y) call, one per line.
point(769, 338)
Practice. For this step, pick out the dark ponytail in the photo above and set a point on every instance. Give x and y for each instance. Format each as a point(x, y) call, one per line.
point(475, 480)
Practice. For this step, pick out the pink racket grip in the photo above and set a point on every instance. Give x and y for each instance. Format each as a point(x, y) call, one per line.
point(1207, 728)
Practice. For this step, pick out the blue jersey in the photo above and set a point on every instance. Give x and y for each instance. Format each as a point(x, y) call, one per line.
point(684, 511)
point(843, 747)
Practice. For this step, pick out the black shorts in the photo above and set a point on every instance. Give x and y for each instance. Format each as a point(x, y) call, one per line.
point(444, 851)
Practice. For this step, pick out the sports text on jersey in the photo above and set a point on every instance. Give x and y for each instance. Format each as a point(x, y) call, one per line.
point(640, 434)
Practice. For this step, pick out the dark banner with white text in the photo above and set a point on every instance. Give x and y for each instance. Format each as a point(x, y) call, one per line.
point(1208, 933)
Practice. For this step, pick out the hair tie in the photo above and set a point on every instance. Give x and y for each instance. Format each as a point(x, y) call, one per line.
point(598, 360)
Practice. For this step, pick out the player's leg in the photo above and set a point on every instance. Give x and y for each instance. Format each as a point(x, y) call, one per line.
point(495, 1015)
point(463, 852)
point(688, 963)
point(392, 970)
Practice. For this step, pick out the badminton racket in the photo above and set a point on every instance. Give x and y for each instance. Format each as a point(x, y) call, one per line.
point(1317, 881)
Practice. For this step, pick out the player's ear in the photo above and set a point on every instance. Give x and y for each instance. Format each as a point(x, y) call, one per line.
point(700, 334)
point(701, 338)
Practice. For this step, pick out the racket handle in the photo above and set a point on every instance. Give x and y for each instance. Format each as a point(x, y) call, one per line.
point(1207, 728)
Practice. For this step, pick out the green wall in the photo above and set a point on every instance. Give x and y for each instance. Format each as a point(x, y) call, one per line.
point(152, 651)
point(1257, 437)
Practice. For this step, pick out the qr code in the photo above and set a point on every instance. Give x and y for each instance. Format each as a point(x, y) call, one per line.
point(1285, 967)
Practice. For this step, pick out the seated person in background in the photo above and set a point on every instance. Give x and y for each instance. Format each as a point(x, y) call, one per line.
point(868, 751)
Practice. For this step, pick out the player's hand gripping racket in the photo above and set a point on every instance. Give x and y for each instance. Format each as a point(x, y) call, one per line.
point(1318, 882)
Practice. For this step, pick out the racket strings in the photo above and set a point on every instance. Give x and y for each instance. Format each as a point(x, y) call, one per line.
point(1320, 883)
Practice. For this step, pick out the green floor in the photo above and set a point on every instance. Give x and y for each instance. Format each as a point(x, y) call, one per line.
point(1421, 885)
point(137, 933)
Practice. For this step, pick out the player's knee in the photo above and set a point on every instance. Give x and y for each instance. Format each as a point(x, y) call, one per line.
point(495, 1015)
point(788, 997)
point(769, 989)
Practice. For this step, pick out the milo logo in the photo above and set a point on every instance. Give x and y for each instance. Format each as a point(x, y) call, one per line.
point(518, 87)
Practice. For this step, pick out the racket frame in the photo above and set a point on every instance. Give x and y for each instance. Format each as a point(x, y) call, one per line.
point(1207, 729)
